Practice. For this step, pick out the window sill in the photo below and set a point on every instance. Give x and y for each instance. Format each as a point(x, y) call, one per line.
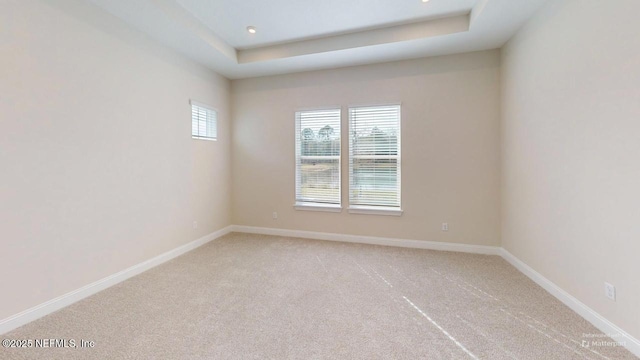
point(375, 210)
point(203, 138)
point(318, 207)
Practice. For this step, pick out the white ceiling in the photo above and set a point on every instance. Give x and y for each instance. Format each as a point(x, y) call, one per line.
point(297, 35)
point(280, 21)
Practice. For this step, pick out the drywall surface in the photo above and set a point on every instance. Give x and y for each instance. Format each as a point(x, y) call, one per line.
point(450, 147)
point(98, 171)
point(570, 149)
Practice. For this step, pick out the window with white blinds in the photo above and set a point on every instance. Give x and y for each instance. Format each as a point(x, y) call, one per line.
point(374, 157)
point(204, 122)
point(318, 157)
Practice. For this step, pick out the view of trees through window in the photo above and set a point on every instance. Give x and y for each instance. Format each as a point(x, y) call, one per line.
point(374, 156)
point(318, 156)
point(374, 166)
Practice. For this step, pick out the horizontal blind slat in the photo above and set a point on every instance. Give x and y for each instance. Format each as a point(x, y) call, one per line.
point(318, 156)
point(374, 156)
point(204, 122)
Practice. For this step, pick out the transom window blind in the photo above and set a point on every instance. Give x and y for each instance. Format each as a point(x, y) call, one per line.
point(204, 122)
point(318, 157)
point(374, 156)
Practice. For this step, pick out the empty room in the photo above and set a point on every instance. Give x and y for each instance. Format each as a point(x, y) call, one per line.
point(338, 179)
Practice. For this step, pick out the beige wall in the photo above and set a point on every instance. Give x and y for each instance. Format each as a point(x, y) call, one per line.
point(98, 171)
point(450, 146)
point(571, 151)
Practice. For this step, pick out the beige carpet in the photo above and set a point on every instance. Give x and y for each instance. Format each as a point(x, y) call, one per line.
point(263, 297)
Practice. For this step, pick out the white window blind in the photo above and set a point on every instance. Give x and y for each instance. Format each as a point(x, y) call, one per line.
point(374, 156)
point(318, 157)
point(204, 122)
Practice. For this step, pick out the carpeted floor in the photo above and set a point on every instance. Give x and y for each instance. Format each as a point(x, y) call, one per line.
point(264, 297)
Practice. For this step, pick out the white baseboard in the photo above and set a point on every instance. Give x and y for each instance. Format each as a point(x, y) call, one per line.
point(58, 303)
point(632, 344)
point(583, 310)
point(373, 240)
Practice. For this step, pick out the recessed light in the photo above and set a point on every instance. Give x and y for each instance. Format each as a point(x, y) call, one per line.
point(251, 29)
point(425, 0)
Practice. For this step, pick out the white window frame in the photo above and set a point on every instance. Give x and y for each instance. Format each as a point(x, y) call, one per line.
point(377, 209)
point(316, 206)
point(210, 110)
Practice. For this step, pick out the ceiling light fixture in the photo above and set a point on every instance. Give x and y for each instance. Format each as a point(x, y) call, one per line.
point(425, 1)
point(251, 29)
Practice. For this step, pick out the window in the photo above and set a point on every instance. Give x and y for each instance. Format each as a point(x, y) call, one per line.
point(374, 159)
point(318, 159)
point(204, 122)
